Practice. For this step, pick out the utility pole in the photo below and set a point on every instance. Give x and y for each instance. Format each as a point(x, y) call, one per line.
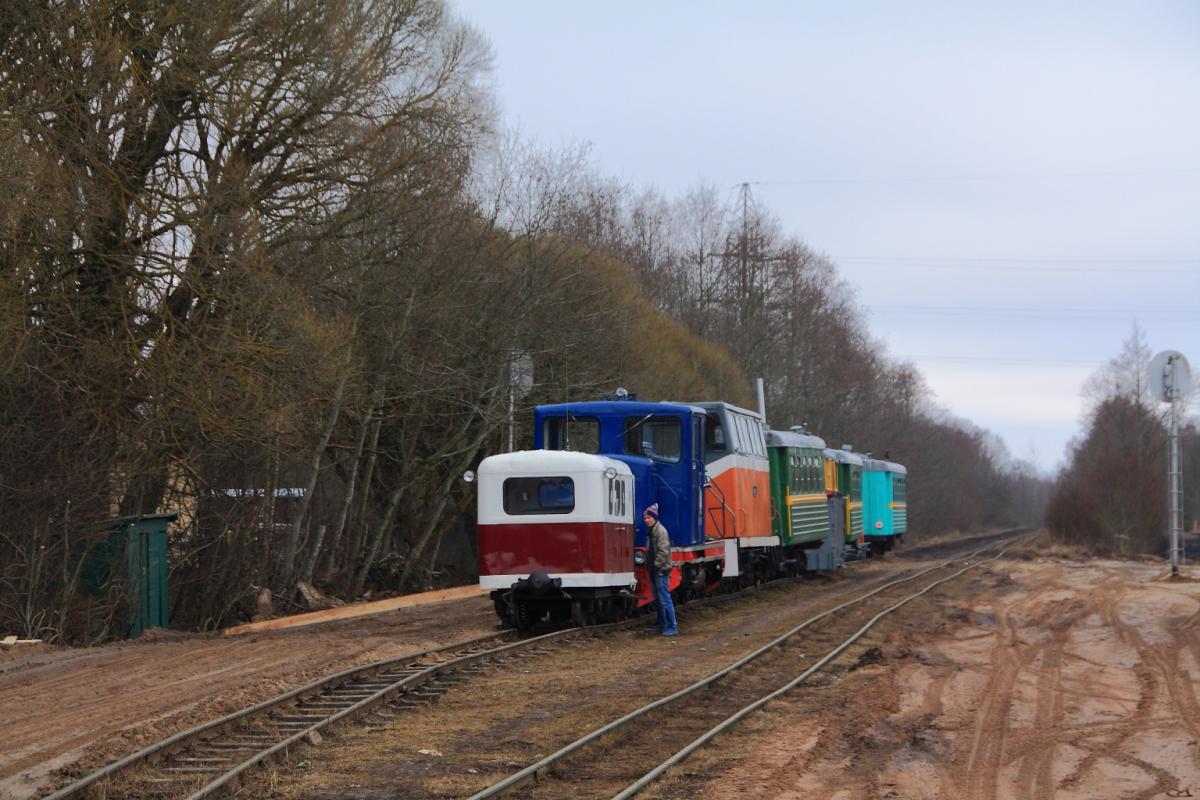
point(1176, 478)
point(744, 275)
point(1170, 380)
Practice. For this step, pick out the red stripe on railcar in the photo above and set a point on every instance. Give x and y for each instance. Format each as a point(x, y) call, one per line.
point(555, 547)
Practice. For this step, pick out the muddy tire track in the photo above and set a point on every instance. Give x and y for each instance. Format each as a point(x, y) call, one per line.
point(985, 758)
point(1112, 739)
point(1035, 776)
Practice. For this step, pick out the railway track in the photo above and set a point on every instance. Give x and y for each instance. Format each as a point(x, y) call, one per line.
point(599, 763)
point(215, 757)
point(211, 757)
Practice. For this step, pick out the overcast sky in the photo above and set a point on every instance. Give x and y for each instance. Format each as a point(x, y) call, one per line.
point(1009, 186)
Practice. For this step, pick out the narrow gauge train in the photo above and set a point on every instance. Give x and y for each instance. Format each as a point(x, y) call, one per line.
point(560, 530)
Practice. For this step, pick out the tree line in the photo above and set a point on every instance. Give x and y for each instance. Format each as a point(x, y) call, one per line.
point(268, 264)
point(1112, 494)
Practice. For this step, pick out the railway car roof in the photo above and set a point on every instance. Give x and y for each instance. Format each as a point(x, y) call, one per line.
point(792, 439)
point(542, 462)
point(711, 405)
point(844, 456)
point(879, 465)
point(631, 407)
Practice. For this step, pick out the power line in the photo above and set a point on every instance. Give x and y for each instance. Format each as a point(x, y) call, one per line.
point(1029, 260)
point(1162, 315)
point(1003, 361)
point(1025, 265)
point(983, 177)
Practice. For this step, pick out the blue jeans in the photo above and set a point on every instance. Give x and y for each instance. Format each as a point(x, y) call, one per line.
point(662, 599)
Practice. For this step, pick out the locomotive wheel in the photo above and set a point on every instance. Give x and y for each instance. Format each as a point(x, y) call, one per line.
point(523, 619)
point(583, 613)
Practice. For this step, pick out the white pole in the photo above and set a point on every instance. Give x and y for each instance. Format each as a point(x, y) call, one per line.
point(762, 402)
point(1176, 470)
point(512, 416)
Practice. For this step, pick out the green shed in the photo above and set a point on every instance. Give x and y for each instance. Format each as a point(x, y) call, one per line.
point(142, 543)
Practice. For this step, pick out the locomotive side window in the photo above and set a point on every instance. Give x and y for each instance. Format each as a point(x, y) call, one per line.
point(579, 434)
point(750, 434)
point(716, 438)
point(539, 496)
point(657, 437)
point(743, 439)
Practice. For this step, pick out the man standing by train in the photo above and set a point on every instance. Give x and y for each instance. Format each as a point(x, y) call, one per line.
point(659, 565)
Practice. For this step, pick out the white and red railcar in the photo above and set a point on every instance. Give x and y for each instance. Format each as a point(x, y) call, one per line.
point(556, 536)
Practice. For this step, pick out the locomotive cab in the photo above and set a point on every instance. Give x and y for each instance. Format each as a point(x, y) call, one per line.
point(663, 446)
point(556, 537)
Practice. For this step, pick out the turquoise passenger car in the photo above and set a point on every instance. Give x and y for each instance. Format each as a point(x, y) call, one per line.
point(884, 515)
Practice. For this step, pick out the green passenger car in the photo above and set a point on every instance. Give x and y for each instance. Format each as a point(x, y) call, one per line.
point(799, 507)
point(846, 467)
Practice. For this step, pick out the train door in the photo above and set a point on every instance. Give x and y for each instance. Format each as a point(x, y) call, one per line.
point(666, 439)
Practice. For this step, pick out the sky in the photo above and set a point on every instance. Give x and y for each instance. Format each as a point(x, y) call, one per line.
point(1008, 186)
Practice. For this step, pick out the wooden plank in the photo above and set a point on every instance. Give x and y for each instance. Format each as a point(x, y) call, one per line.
point(358, 610)
point(8, 640)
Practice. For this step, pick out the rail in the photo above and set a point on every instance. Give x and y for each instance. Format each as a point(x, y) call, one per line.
point(542, 766)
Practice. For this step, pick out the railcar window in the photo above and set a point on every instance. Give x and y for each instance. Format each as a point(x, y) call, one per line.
point(715, 438)
point(744, 435)
point(660, 438)
point(580, 434)
point(554, 495)
point(616, 497)
point(736, 437)
point(747, 443)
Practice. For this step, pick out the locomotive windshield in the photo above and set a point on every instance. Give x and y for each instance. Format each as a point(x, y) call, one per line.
point(579, 434)
point(655, 437)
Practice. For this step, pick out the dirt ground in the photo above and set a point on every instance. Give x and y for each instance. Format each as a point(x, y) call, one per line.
point(1034, 677)
point(1043, 676)
point(67, 711)
point(509, 717)
point(86, 707)
point(1063, 679)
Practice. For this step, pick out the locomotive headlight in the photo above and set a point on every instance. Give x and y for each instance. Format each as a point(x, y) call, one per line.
point(639, 557)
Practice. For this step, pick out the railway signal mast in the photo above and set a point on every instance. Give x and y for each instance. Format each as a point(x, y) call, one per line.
point(1171, 381)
